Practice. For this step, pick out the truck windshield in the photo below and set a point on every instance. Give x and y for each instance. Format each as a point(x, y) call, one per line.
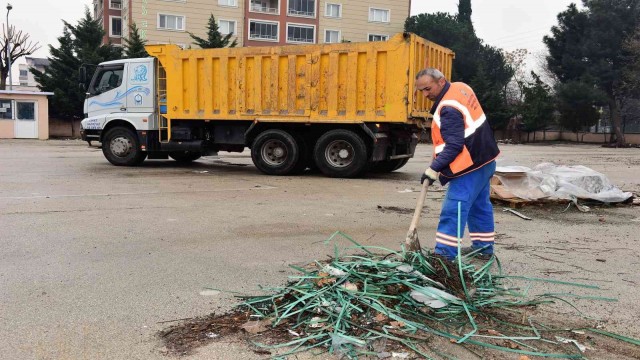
point(105, 79)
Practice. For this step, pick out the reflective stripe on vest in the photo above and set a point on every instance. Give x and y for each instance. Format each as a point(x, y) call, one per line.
point(471, 124)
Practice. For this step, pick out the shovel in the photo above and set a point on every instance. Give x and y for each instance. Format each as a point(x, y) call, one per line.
point(412, 243)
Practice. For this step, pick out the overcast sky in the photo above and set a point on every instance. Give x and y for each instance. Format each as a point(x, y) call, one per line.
point(508, 24)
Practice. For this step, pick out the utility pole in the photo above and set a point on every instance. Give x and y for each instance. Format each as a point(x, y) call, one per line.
point(9, 7)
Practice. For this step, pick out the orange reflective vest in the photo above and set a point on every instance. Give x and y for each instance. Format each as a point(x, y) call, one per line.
point(480, 146)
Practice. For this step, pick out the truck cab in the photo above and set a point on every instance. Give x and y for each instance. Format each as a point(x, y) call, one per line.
point(121, 95)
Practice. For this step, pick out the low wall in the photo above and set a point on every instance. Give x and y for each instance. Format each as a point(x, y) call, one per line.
point(555, 135)
point(64, 128)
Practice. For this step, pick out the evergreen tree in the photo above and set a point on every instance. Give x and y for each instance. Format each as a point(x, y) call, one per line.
point(87, 41)
point(80, 45)
point(61, 78)
point(134, 45)
point(464, 12)
point(483, 67)
point(575, 102)
point(538, 105)
point(587, 47)
point(214, 38)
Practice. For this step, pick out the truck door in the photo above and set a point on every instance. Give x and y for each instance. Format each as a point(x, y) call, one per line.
point(107, 91)
point(140, 80)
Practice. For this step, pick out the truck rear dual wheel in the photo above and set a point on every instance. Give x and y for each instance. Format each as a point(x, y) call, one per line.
point(341, 153)
point(276, 152)
point(121, 147)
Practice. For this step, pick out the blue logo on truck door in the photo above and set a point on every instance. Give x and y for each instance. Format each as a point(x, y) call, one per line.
point(139, 74)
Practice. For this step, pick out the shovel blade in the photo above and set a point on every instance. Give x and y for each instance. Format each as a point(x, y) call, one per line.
point(412, 243)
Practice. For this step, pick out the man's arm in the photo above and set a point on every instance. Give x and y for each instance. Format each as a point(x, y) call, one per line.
point(452, 131)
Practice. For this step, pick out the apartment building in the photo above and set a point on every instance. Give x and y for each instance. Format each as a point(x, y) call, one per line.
point(27, 81)
point(109, 13)
point(255, 22)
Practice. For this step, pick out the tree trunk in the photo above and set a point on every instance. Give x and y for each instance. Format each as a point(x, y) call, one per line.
point(616, 121)
point(3, 78)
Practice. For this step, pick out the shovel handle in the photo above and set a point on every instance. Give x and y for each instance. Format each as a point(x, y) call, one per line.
point(419, 206)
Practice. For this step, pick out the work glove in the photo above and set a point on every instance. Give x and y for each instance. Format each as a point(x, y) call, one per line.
point(429, 175)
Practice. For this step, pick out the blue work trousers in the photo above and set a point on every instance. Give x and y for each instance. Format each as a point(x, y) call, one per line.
point(471, 191)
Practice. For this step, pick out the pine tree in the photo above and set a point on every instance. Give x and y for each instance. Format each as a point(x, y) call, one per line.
point(80, 45)
point(87, 41)
point(586, 52)
point(214, 38)
point(61, 78)
point(464, 12)
point(134, 45)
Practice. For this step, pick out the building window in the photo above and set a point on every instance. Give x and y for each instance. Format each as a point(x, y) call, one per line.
point(6, 111)
point(377, 37)
point(23, 73)
point(301, 33)
point(331, 36)
point(302, 8)
point(227, 27)
point(379, 15)
point(116, 26)
point(228, 2)
point(115, 4)
point(333, 10)
point(265, 6)
point(170, 22)
point(263, 30)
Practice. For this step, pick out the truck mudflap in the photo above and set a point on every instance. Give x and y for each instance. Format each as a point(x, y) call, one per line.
point(388, 148)
point(90, 135)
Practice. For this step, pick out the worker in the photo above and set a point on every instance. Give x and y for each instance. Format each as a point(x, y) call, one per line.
point(464, 156)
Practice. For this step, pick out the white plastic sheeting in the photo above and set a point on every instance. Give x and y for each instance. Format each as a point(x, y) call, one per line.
point(552, 181)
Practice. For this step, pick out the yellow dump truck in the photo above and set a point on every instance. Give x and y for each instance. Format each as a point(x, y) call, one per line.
point(344, 108)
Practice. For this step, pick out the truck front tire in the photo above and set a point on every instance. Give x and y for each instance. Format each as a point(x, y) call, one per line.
point(341, 153)
point(121, 147)
point(275, 152)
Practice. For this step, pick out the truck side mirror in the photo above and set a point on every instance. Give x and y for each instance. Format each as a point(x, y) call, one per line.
point(83, 75)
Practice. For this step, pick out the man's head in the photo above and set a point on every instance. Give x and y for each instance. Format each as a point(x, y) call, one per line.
point(430, 82)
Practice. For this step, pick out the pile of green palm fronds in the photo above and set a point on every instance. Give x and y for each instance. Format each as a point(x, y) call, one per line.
point(353, 303)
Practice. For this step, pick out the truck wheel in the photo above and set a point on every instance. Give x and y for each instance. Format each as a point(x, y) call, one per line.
point(121, 147)
point(341, 153)
point(185, 157)
point(388, 166)
point(275, 152)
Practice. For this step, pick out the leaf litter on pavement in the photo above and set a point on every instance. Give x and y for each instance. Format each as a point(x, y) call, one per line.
point(372, 302)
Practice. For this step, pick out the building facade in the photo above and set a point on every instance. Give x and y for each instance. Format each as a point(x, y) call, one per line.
point(254, 22)
point(27, 81)
point(109, 13)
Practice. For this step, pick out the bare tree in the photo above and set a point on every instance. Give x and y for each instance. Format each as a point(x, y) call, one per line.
point(20, 46)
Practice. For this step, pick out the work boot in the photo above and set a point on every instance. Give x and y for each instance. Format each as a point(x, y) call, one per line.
point(477, 253)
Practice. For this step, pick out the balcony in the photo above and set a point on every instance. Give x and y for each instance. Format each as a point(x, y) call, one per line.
point(265, 6)
point(115, 4)
point(304, 8)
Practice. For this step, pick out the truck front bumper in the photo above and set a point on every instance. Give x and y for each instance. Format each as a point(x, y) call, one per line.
point(90, 135)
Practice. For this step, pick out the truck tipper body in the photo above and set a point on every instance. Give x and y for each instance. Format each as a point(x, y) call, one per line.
point(343, 108)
